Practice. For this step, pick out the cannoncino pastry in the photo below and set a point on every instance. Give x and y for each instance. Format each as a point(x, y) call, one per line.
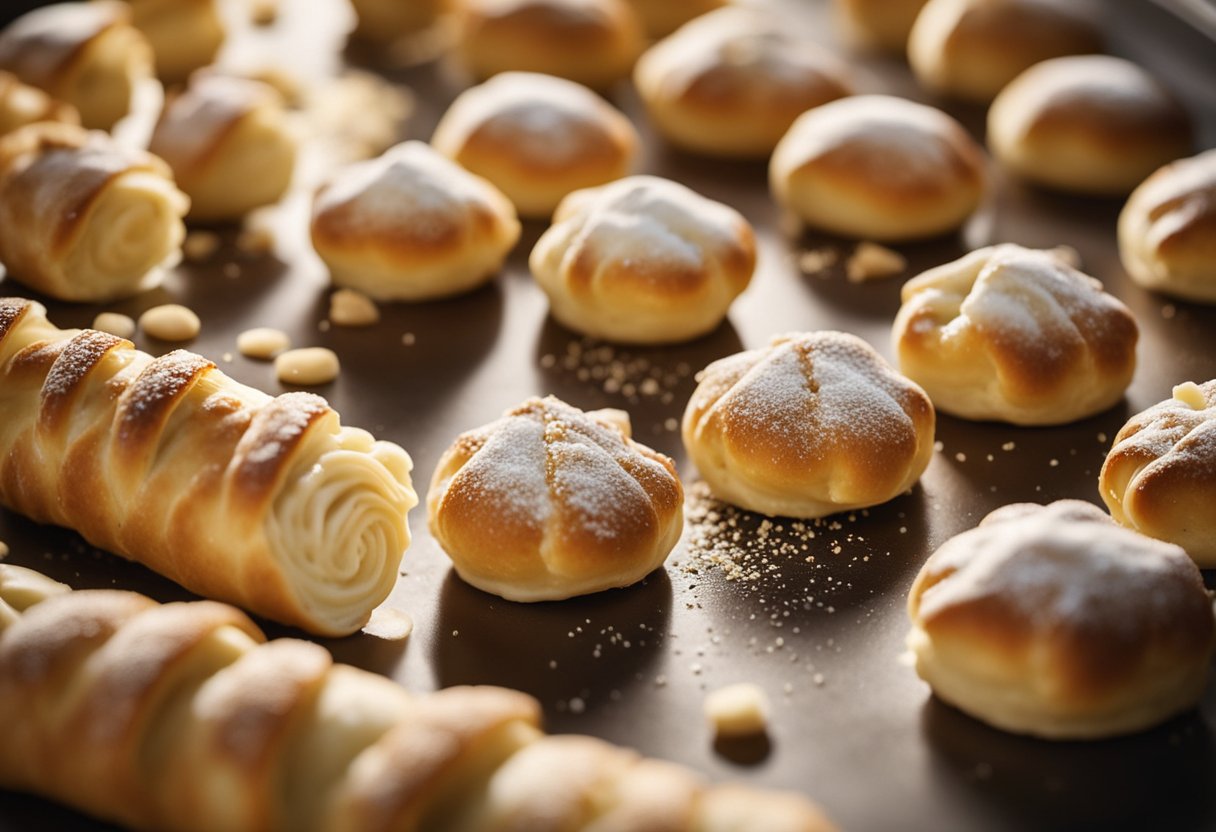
point(229, 143)
point(83, 218)
point(812, 424)
point(1053, 621)
point(182, 717)
point(268, 503)
point(1159, 477)
point(643, 260)
point(185, 35)
point(549, 502)
point(1016, 335)
point(22, 104)
point(86, 54)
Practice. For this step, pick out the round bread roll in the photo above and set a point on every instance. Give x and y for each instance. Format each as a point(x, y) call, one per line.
point(662, 17)
point(643, 260)
point(1160, 475)
point(21, 104)
point(879, 24)
point(1167, 230)
point(185, 35)
point(1093, 124)
point(813, 424)
point(86, 54)
point(732, 82)
point(1053, 621)
point(972, 48)
point(593, 42)
point(384, 21)
point(537, 138)
point(1015, 335)
point(550, 502)
point(412, 225)
point(229, 143)
point(879, 168)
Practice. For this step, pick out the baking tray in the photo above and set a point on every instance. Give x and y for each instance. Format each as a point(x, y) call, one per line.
point(812, 612)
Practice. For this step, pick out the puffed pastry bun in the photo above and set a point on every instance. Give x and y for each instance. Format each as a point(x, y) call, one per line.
point(880, 168)
point(22, 104)
point(643, 260)
point(412, 225)
point(1090, 124)
point(732, 82)
point(971, 49)
point(384, 21)
point(1015, 335)
point(83, 218)
point(1053, 621)
point(86, 54)
point(550, 502)
point(662, 17)
point(1167, 230)
point(1160, 475)
point(537, 138)
point(593, 42)
point(230, 144)
point(185, 35)
point(813, 424)
point(268, 503)
point(878, 24)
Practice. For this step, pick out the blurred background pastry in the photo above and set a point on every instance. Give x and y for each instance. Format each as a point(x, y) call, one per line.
point(878, 24)
point(185, 35)
point(662, 17)
point(22, 104)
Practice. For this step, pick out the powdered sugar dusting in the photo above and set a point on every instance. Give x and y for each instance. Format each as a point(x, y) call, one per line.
point(508, 473)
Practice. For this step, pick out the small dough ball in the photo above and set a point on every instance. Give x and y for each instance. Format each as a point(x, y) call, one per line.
point(230, 145)
point(384, 21)
point(972, 48)
point(1016, 335)
point(1167, 230)
point(348, 307)
point(1091, 124)
point(170, 322)
point(813, 424)
point(537, 138)
point(550, 502)
point(262, 343)
point(185, 35)
point(739, 710)
point(879, 24)
point(1160, 475)
point(662, 17)
point(307, 367)
point(879, 168)
point(412, 225)
point(1053, 621)
point(732, 82)
point(643, 261)
point(593, 42)
point(22, 104)
point(114, 323)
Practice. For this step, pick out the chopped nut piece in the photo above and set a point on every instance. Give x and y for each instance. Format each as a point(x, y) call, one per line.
point(170, 322)
point(307, 367)
point(348, 307)
point(112, 322)
point(263, 343)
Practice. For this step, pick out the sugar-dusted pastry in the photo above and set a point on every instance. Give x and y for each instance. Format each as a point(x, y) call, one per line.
point(265, 502)
point(879, 24)
point(86, 54)
point(731, 82)
point(1092, 124)
point(813, 424)
point(388, 20)
point(181, 717)
point(1160, 475)
point(880, 168)
point(229, 143)
point(412, 225)
point(549, 502)
point(185, 35)
point(593, 42)
point(643, 260)
point(1015, 335)
point(537, 138)
point(972, 48)
point(662, 17)
point(83, 218)
point(22, 104)
point(1167, 230)
point(1053, 621)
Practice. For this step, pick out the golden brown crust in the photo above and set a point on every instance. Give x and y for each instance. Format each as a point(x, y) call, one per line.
point(282, 426)
point(22, 104)
point(662, 17)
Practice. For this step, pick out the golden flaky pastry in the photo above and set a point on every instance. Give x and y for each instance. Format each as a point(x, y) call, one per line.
point(185, 35)
point(814, 423)
point(412, 225)
point(22, 104)
point(229, 143)
point(662, 17)
point(643, 260)
point(731, 82)
point(1092, 124)
point(972, 48)
point(87, 54)
point(1016, 335)
point(1160, 475)
point(1167, 230)
point(1052, 620)
point(879, 24)
point(878, 167)
point(550, 502)
point(593, 42)
point(537, 138)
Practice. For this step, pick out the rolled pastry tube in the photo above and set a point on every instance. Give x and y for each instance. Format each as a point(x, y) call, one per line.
point(267, 503)
point(22, 104)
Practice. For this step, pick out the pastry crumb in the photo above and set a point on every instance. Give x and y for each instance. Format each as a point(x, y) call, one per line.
point(170, 322)
point(307, 367)
point(817, 260)
point(263, 12)
point(739, 710)
point(255, 239)
point(389, 624)
point(262, 343)
point(409, 339)
point(871, 261)
point(1190, 395)
point(3, 550)
point(114, 323)
point(200, 245)
point(348, 307)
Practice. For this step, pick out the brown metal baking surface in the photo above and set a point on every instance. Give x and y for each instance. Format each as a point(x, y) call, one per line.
point(813, 612)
